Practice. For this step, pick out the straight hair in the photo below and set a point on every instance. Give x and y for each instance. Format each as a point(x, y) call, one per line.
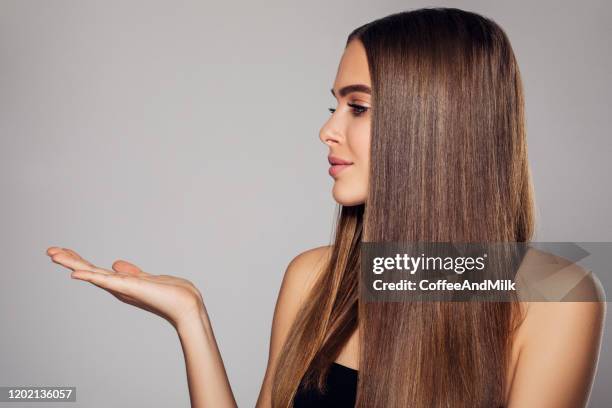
point(448, 163)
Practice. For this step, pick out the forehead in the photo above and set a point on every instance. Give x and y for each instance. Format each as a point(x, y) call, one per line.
point(353, 68)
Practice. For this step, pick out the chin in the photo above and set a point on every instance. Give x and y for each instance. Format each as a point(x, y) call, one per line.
point(347, 196)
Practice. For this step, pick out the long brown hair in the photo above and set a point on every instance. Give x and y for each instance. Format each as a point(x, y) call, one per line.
point(448, 164)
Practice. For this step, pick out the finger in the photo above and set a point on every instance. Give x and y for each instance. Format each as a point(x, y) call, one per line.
point(53, 250)
point(57, 250)
point(127, 267)
point(65, 259)
point(77, 256)
point(122, 284)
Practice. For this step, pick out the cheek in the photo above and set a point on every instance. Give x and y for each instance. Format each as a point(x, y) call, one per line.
point(359, 143)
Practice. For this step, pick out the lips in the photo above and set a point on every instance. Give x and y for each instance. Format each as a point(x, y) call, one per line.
point(336, 160)
point(337, 165)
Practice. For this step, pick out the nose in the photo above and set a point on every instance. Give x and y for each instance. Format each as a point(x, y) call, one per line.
point(329, 135)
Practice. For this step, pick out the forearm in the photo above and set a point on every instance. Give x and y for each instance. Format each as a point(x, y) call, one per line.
point(209, 386)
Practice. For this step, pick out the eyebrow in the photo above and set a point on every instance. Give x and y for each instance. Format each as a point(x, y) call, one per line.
point(345, 90)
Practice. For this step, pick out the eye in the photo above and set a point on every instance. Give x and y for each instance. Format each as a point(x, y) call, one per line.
point(357, 109)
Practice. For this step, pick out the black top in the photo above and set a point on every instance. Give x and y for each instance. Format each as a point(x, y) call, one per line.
point(341, 386)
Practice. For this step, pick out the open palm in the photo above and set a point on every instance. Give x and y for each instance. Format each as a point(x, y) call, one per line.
point(173, 298)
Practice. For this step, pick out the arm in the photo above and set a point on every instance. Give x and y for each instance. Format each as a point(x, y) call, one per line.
point(300, 275)
point(558, 359)
point(206, 377)
point(179, 302)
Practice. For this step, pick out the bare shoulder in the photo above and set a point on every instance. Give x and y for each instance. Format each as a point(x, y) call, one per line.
point(304, 269)
point(573, 299)
point(559, 341)
point(300, 276)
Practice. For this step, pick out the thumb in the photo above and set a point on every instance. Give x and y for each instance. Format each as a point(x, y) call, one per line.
point(126, 267)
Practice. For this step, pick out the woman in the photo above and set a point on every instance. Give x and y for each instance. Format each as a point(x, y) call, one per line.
point(427, 144)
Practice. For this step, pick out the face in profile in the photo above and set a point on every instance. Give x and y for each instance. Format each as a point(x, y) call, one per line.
point(347, 131)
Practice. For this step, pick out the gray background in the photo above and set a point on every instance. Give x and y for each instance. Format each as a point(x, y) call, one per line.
point(183, 136)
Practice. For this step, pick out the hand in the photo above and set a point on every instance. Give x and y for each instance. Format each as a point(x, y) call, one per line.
point(175, 299)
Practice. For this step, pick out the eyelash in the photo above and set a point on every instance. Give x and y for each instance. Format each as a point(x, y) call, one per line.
point(360, 109)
